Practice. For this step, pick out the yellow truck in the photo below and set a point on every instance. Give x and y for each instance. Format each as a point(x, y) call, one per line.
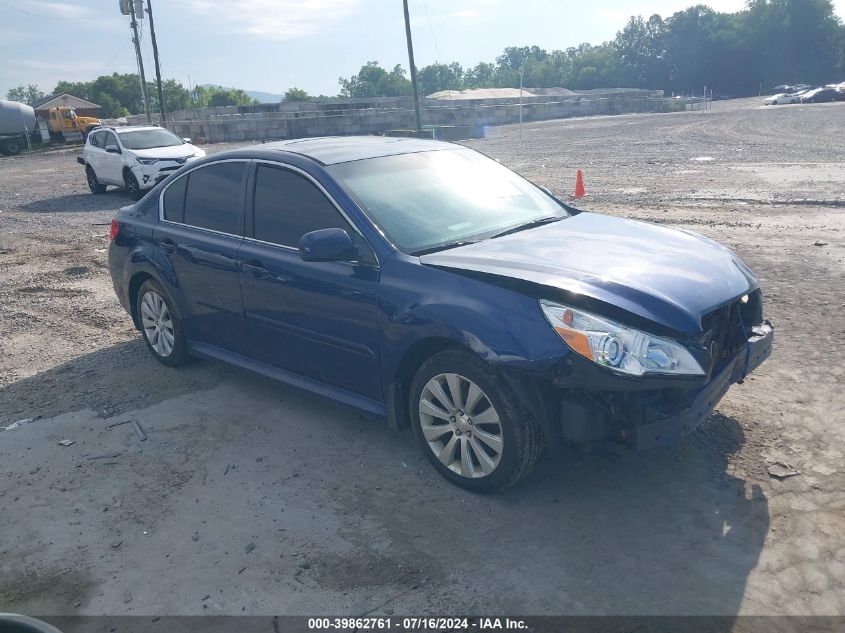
point(65, 125)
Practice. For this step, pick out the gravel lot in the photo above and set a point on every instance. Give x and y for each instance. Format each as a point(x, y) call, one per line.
point(252, 497)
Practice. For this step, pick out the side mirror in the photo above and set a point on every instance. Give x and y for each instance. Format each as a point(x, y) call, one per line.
point(187, 139)
point(326, 245)
point(112, 149)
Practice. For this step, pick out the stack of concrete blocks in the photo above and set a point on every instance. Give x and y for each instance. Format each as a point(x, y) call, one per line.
point(375, 116)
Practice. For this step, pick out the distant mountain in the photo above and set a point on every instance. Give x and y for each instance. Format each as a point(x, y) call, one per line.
point(263, 97)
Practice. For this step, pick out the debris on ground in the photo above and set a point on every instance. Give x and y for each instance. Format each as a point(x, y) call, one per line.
point(819, 243)
point(139, 431)
point(249, 547)
point(17, 424)
point(66, 442)
point(782, 470)
point(103, 456)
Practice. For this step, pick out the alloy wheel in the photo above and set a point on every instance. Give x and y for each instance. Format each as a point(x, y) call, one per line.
point(157, 323)
point(132, 186)
point(461, 425)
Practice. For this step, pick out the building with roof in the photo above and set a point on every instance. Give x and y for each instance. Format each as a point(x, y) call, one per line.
point(82, 107)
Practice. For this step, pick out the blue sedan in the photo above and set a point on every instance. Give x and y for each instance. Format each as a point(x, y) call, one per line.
point(426, 283)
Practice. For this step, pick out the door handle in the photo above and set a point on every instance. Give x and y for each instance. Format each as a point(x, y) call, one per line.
point(169, 246)
point(255, 269)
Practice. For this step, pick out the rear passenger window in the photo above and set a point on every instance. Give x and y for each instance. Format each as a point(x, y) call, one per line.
point(288, 205)
point(96, 139)
point(174, 200)
point(213, 198)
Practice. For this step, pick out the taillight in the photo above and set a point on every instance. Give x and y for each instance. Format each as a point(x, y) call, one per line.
point(114, 229)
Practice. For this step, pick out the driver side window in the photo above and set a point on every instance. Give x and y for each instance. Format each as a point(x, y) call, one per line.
point(96, 139)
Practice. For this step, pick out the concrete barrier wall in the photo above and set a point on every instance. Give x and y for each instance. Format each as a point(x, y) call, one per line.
point(375, 116)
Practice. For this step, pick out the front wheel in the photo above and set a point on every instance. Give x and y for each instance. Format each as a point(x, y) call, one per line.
point(160, 325)
point(470, 424)
point(132, 186)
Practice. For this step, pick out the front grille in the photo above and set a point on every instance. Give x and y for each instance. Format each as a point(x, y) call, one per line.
point(723, 336)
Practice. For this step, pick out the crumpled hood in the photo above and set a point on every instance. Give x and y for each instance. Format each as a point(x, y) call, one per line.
point(669, 276)
point(174, 151)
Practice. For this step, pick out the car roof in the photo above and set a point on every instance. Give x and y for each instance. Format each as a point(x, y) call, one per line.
point(330, 150)
point(134, 128)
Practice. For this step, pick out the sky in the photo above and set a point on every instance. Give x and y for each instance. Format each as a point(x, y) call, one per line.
point(273, 45)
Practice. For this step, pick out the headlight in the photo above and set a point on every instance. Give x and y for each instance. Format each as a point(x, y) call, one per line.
point(147, 161)
point(616, 346)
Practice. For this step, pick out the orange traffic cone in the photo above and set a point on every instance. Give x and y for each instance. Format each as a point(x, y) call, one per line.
point(580, 191)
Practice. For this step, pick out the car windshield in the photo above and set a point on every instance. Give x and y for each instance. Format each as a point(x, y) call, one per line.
point(147, 139)
point(444, 198)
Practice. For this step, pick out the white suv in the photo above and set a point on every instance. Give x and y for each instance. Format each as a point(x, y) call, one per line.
point(135, 157)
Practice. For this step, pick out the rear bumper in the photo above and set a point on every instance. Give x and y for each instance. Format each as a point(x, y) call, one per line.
point(670, 428)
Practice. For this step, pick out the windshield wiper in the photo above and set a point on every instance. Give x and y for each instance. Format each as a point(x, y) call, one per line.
point(528, 225)
point(443, 247)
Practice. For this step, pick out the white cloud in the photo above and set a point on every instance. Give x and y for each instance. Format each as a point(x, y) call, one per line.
point(66, 10)
point(277, 19)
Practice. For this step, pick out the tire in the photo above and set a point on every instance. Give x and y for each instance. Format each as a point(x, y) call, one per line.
point(93, 184)
point(155, 310)
point(512, 444)
point(132, 186)
point(13, 148)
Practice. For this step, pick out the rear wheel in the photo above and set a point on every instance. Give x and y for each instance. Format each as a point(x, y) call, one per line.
point(160, 325)
point(470, 424)
point(12, 147)
point(93, 184)
point(132, 186)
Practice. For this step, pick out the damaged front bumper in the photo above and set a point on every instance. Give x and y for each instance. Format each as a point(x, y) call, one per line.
point(651, 411)
point(667, 429)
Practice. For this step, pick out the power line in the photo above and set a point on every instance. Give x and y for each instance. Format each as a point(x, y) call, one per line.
point(431, 29)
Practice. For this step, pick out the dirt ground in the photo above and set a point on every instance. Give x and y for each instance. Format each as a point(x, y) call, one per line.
point(252, 497)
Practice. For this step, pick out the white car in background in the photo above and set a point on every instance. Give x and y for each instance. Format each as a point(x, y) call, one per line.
point(133, 157)
point(782, 98)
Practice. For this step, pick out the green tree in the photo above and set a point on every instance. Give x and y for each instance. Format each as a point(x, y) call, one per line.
point(482, 75)
point(374, 81)
point(436, 77)
point(297, 94)
point(25, 94)
point(641, 52)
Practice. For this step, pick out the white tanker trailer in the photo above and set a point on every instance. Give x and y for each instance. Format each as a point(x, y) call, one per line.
point(17, 120)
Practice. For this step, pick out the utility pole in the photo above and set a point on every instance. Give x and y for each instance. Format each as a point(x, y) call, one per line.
point(137, 42)
point(521, 73)
point(413, 67)
point(155, 59)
